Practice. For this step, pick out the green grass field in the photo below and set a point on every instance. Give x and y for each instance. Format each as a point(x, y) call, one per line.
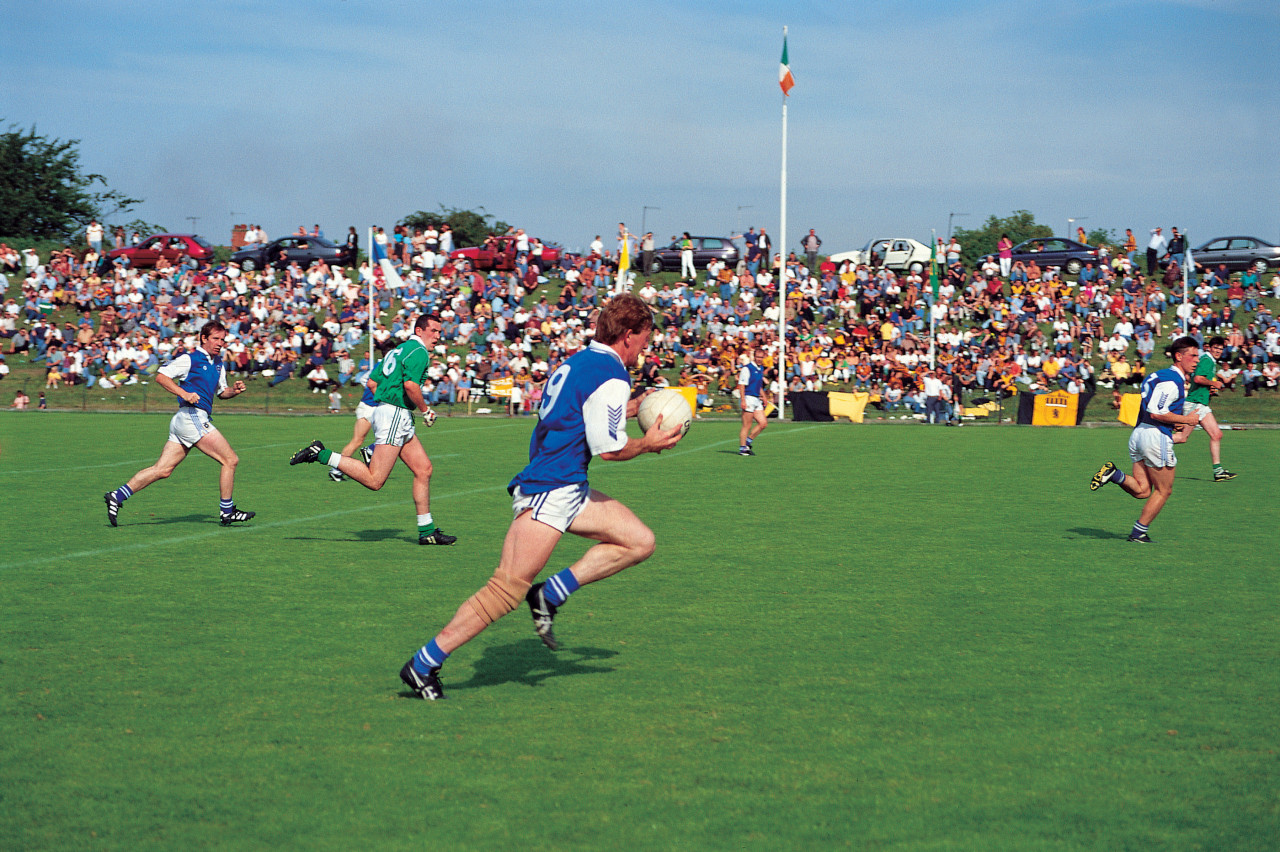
point(874, 637)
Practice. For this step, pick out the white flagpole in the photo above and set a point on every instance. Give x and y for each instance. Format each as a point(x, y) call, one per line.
point(930, 300)
point(1186, 277)
point(371, 311)
point(782, 270)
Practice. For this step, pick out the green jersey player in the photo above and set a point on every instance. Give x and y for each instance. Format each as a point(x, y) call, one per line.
point(1202, 385)
point(399, 395)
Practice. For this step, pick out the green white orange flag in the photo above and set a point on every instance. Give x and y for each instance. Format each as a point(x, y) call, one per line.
point(785, 80)
point(933, 270)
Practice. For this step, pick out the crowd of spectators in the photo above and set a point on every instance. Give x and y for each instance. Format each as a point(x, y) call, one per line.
point(850, 327)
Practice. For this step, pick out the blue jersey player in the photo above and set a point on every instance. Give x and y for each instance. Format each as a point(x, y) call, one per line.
point(364, 422)
point(751, 401)
point(583, 414)
point(195, 379)
point(1151, 442)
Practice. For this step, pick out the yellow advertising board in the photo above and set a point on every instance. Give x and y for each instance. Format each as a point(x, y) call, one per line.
point(1129, 408)
point(1055, 409)
point(500, 387)
point(690, 395)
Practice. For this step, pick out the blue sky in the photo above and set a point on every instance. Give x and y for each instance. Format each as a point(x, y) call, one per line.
point(566, 120)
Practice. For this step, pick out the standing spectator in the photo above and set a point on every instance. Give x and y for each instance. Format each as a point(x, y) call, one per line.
point(335, 401)
point(1130, 244)
point(953, 252)
point(686, 258)
point(810, 244)
point(1005, 249)
point(93, 235)
point(646, 252)
point(1156, 249)
point(1177, 247)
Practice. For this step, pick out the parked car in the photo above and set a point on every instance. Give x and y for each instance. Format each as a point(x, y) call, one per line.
point(705, 249)
point(173, 247)
point(503, 256)
point(1238, 254)
point(286, 250)
point(896, 253)
point(1055, 251)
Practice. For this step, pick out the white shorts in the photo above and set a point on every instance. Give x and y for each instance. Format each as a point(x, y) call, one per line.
point(364, 411)
point(752, 404)
point(392, 425)
point(189, 425)
point(555, 508)
point(1149, 445)
point(1199, 409)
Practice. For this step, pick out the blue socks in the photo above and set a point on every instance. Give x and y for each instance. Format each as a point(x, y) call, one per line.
point(1117, 476)
point(429, 657)
point(124, 492)
point(558, 588)
point(1139, 528)
point(227, 506)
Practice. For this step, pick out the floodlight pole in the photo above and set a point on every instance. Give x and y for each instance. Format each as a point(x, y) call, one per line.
point(1071, 222)
point(951, 216)
point(644, 213)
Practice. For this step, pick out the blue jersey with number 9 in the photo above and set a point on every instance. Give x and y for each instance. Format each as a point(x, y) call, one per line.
point(583, 414)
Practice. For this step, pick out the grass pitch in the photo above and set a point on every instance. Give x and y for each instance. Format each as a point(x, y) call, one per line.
point(892, 637)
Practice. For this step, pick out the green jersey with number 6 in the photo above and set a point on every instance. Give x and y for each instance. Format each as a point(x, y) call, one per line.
point(1197, 392)
point(408, 362)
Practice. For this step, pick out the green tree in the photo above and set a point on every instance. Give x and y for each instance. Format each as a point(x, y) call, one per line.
point(469, 227)
point(44, 194)
point(1019, 225)
point(1103, 237)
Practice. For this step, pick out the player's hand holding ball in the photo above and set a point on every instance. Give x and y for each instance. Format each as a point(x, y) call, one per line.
point(429, 417)
point(665, 417)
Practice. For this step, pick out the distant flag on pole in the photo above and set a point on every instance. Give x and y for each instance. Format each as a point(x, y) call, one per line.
point(933, 270)
point(785, 80)
point(624, 263)
point(388, 269)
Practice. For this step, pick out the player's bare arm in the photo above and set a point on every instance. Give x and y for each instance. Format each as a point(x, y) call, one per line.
point(413, 392)
point(174, 388)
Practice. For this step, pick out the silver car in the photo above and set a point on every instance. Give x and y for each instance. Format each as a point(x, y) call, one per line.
point(1238, 254)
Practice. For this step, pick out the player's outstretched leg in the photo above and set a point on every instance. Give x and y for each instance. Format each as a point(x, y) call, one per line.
point(544, 615)
point(308, 454)
point(1104, 475)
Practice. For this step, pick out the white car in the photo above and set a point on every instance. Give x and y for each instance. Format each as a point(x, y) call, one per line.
point(897, 253)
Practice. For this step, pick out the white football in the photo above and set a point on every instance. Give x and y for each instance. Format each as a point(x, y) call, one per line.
point(670, 405)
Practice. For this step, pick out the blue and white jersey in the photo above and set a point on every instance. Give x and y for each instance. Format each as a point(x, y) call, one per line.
point(367, 398)
point(197, 372)
point(751, 379)
point(1163, 392)
point(583, 414)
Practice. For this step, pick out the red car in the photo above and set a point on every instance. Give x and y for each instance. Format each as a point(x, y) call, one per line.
point(171, 246)
point(504, 257)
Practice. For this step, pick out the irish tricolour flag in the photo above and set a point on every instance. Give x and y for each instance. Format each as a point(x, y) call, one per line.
point(785, 80)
